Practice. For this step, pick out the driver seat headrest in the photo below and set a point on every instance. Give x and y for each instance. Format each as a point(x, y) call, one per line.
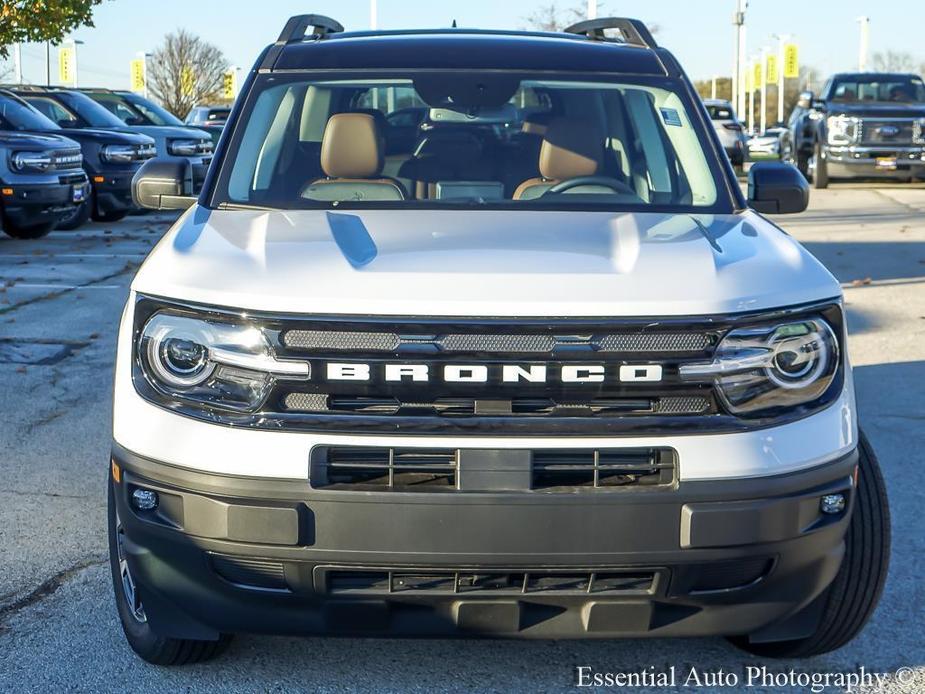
point(351, 146)
point(571, 148)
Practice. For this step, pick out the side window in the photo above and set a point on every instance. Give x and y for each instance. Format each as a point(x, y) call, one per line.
point(389, 99)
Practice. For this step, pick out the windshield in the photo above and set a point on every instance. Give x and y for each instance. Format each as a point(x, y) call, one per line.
point(152, 112)
point(15, 115)
point(491, 139)
point(898, 88)
point(85, 108)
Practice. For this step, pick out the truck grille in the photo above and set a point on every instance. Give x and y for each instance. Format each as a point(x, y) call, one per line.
point(367, 468)
point(62, 160)
point(887, 131)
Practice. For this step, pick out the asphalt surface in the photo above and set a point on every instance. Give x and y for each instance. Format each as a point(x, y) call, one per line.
point(60, 301)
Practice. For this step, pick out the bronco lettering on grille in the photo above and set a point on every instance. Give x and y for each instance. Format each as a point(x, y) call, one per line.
point(479, 373)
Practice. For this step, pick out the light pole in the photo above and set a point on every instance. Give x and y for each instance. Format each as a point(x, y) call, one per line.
point(373, 14)
point(17, 62)
point(75, 43)
point(592, 9)
point(713, 87)
point(865, 43)
point(738, 66)
point(143, 57)
point(764, 91)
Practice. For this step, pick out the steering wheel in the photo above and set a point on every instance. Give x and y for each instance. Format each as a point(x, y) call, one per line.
point(614, 184)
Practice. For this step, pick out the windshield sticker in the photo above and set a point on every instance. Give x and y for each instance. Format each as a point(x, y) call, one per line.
point(671, 116)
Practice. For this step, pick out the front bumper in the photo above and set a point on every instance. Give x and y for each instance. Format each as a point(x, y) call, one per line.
point(37, 204)
point(228, 554)
point(113, 191)
point(866, 161)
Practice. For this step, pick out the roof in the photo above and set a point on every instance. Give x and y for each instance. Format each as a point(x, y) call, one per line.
point(468, 49)
point(875, 75)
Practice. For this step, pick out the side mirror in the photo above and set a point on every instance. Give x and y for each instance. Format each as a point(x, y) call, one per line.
point(164, 184)
point(777, 188)
point(805, 100)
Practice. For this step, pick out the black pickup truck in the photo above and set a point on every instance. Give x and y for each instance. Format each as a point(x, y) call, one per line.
point(862, 125)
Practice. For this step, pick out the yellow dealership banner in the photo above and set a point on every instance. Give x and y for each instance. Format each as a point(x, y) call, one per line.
point(66, 64)
point(187, 81)
point(758, 78)
point(770, 71)
point(138, 75)
point(229, 86)
point(791, 61)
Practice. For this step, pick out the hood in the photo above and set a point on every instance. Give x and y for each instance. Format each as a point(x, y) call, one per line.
point(45, 140)
point(875, 109)
point(171, 131)
point(482, 263)
point(109, 137)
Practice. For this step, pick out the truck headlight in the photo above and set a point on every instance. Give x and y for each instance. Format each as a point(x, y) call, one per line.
point(118, 154)
point(221, 364)
point(775, 366)
point(189, 148)
point(842, 130)
point(30, 161)
point(918, 131)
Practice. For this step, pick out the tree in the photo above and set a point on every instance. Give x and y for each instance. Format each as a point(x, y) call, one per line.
point(894, 61)
point(185, 71)
point(23, 21)
point(553, 17)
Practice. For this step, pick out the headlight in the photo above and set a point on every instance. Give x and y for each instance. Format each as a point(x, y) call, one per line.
point(763, 368)
point(30, 161)
point(842, 130)
point(216, 363)
point(118, 154)
point(189, 148)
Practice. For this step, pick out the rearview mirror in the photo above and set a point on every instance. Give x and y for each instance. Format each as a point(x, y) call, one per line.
point(164, 184)
point(777, 188)
point(805, 100)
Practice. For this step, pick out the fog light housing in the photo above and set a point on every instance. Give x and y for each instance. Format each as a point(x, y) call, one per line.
point(144, 499)
point(832, 504)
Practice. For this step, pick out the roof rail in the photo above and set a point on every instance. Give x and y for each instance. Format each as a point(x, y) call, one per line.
point(634, 32)
point(296, 27)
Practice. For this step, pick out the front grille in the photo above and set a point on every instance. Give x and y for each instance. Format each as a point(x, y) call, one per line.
point(887, 131)
point(66, 159)
point(369, 468)
point(581, 468)
point(526, 343)
point(543, 407)
point(409, 582)
point(245, 572)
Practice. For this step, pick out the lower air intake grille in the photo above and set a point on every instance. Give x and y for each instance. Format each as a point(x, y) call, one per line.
point(406, 581)
point(261, 574)
point(388, 469)
point(559, 469)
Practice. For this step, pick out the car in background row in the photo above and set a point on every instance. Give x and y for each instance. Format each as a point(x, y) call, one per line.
point(210, 118)
point(862, 125)
point(773, 143)
point(109, 158)
point(40, 179)
point(728, 129)
point(74, 109)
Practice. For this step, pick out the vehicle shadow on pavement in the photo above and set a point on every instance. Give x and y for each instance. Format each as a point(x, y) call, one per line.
point(859, 261)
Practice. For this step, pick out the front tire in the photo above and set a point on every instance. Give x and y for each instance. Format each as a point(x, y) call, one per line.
point(76, 218)
point(36, 231)
point(155, 649)
point(853, 596)
point(820, 169)
point(113, 216)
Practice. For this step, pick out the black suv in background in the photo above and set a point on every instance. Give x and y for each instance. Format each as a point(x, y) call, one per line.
point(110, 159)
point(40, 179)
point(76, 109)
point(862, 125)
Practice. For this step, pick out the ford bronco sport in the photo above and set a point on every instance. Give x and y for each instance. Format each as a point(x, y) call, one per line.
point(543, 374)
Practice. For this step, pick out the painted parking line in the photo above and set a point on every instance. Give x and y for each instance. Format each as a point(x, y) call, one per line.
point(52, 254)
point(63, 287)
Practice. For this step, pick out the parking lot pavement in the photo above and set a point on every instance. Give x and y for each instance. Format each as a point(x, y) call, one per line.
point(60, 300)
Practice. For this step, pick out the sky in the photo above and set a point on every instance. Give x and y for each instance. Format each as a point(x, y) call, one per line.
point(699, 33)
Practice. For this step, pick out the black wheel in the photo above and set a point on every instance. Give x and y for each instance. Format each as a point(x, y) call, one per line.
point(802, 163)
point(855, 592)
point(819, 168)
point(75, 218)
point(35, 231)
point(155, 649)
point(114, 216)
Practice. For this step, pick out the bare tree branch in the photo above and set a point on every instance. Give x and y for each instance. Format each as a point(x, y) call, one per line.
point(185, 71)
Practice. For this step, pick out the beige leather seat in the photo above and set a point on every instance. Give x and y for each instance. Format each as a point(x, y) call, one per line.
point(571, 148)
point(351, 157)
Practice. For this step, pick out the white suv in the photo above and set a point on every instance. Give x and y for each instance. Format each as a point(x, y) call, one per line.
point(543, 371)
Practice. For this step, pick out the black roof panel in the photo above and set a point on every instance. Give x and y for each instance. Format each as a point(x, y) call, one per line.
point(462, 49)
